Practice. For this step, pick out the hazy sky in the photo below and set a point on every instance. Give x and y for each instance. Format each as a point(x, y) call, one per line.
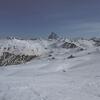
point(39, 17)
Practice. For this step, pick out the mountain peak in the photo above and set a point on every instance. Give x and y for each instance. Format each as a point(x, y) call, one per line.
point(53, 35)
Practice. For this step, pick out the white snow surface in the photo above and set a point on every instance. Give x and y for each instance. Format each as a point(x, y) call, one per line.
point(61, 78)
point(22, 47)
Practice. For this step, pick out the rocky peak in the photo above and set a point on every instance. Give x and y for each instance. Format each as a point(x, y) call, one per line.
point(53, 36)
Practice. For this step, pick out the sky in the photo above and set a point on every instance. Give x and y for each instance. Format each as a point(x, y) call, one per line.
point(37, 18)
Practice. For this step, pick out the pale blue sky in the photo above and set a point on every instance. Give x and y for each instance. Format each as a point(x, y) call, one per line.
point(29, 18)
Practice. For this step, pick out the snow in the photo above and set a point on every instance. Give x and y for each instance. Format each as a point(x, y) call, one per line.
point(22, 47)
point(45, 78)
point(86, 43)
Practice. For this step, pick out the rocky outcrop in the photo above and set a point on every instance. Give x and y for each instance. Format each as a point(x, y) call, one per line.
point(97, 41)
point(12, 59)
point(68, 45)
point(71, 56)
point(53, 36)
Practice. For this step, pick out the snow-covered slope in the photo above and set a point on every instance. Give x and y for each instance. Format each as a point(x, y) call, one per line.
point(26, 47)
point(15, 51)
point(54, 76)
point(86, 43)
point(38, 47)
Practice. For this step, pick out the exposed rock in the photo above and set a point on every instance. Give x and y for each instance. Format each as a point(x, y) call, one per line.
point(80, 49)
point(69, 45)
point(49, 55)
point(96, 40)
point(53, 57)
point(63, 70)
point(53, 36)
point(71, 56)
point(97, 43)
point(12, 59)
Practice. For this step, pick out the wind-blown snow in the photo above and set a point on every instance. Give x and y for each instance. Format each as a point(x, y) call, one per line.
point(53, 76)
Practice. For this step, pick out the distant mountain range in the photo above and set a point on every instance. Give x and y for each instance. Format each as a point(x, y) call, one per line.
point(17, 51)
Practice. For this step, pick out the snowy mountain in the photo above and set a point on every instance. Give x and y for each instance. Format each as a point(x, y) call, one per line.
point(26, 47)
point(54, 69)
point(53, 36)
point(14, 51)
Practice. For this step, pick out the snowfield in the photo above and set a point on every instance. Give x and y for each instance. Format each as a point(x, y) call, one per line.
point(54, 75)
point(26, 47)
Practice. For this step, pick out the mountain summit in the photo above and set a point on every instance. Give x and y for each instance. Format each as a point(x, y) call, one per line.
point(53, 36)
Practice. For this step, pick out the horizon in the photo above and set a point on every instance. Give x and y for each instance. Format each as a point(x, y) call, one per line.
point(60, 36)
